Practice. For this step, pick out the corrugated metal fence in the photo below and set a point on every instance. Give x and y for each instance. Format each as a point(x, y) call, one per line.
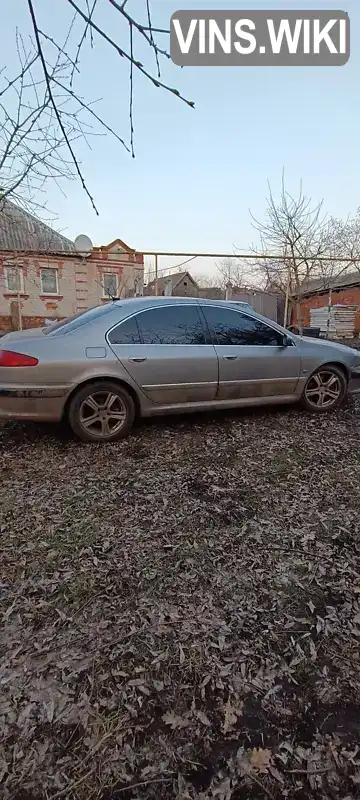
point(261, 302)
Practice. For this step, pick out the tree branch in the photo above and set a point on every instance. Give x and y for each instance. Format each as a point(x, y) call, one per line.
point(56, 111)
point(126, 55)
point(82, 42)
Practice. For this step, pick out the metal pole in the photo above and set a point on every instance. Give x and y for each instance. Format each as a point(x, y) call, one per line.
point(328, 314)
point(19, 311)
point(228, 293)
point(156, 274)
point(287, 298)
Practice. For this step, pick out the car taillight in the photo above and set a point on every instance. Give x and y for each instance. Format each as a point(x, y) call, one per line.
point(10, 359)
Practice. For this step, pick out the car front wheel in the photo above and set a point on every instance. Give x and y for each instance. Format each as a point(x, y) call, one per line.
point(101, 412)
point(325, 389)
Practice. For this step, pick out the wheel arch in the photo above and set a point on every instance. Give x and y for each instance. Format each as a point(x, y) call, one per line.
point(339, 365)
point(103, 379)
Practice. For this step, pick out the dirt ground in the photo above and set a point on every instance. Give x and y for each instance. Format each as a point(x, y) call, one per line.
point(181, 610)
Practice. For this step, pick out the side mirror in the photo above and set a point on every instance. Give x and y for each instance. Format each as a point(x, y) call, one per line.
point(286, 341)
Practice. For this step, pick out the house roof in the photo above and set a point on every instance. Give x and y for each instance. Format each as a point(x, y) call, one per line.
point(20, 230)
point(175, 278)
point(117, 242)
point(323, 284)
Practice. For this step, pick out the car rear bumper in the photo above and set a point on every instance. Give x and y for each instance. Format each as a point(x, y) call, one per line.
point(32, 403)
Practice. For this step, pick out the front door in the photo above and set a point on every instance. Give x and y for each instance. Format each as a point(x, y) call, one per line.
point(253, 361)
point(165, 349)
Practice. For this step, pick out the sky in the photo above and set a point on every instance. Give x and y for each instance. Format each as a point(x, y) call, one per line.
point(197, 172)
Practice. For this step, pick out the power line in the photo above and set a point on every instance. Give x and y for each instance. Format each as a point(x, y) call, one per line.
point(177, 266)
point(251, 256)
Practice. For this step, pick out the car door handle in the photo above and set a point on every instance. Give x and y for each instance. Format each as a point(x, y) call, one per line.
point(138, 360)
point(231, 358)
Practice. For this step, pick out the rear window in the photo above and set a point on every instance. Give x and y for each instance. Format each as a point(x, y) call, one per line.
point(77, 320)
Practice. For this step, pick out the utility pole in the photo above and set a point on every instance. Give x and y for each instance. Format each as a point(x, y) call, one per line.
point(286, 310)
point(19, 311)
point(328, 314)
point(156, 275)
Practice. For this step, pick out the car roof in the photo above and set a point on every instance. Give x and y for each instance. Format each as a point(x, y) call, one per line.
point(138, 302)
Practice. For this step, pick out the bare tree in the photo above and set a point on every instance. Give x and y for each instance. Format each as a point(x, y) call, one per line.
point(43, 114)
point(344, 243)
point(207, 281)
point(298, 231)
point(230, 271)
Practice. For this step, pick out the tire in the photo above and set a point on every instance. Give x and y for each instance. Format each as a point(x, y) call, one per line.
point(325, 390)
point(112, 408)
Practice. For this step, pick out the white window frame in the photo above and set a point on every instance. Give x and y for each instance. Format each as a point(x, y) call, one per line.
point(47, 269)
point(20, 270)
point(105, 295)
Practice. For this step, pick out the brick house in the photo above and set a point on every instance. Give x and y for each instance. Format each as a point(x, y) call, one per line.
point(43, 277)
point(345, 290)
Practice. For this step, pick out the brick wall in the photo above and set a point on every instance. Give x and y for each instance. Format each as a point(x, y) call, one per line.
point(5, 323)
point(348, 297)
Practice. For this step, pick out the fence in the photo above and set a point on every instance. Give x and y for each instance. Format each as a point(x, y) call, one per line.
point(262, 302)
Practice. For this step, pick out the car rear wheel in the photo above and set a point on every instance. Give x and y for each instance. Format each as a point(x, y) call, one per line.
point(101, 412)
point(325, 390)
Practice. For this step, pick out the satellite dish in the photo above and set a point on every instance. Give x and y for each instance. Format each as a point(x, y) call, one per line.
point(83, 245)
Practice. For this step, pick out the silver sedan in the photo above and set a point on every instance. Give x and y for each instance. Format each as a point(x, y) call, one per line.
point(148, 356)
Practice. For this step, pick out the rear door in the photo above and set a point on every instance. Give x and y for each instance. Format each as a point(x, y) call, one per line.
point(253, 361)
point(166, 351)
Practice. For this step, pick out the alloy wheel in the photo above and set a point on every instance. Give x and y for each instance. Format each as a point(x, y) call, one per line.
point(323, 390)
point(102, 414)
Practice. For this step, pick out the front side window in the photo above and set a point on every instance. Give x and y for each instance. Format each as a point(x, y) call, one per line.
point(49, 281)
point(14, 280)
point(110, 285)
point(171, 325)
point(228, 327)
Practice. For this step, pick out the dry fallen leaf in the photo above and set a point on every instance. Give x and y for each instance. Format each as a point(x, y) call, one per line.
point(276, 774)
point(260, 759)
point(230, 717)
point(202, 717)
point(174, 720)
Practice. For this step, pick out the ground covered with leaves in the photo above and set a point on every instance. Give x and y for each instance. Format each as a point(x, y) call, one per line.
point(181, 610)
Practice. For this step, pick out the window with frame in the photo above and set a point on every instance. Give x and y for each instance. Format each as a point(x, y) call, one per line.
point(49, 280)
point(110, 284)
point(14, 279)
point(228, 327)
point(127, 332)
point(171, 325)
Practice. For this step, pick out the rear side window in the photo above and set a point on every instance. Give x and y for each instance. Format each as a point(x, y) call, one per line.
point(171, 325)
point(228, 327)
point(125, 333)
